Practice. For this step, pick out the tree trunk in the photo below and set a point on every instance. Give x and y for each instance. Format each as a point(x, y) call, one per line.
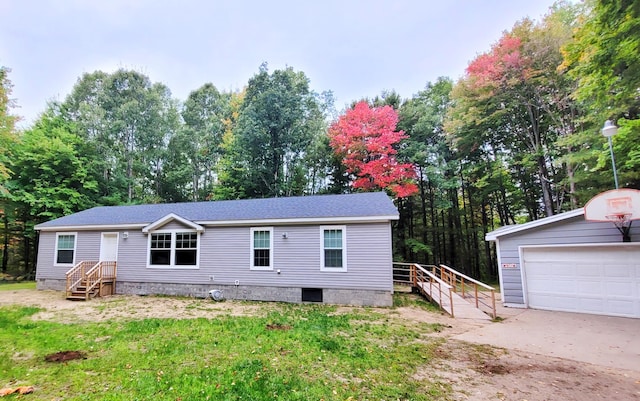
point(547, 197)
point(490, 266)
point(5, 249)
point(423, 209)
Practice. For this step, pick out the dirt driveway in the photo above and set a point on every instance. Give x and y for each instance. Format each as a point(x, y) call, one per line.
point(531, 355)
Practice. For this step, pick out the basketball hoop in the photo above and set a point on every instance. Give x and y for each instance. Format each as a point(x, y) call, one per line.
point(620, 219)
point(619, 206)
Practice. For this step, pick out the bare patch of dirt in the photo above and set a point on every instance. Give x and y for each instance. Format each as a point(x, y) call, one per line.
point(474, 372)
point(480, 373)
point(278, 326)
point(127, 307)
point(64, 356)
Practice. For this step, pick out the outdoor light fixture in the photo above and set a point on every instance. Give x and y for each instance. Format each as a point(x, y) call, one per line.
point(610, 130)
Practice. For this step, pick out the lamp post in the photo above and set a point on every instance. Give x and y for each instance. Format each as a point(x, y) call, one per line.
point(610, 130)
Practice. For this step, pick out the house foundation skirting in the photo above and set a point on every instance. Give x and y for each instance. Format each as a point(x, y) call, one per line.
point(242, 292)
point(51, 284)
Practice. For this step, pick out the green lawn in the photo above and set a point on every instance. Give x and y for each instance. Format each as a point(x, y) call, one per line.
point(288, 352)
point(22, 285)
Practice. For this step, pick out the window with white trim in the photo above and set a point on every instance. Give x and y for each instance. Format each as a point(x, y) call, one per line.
point(262, 248)
point(186, 249)
point(333, 255)
point(160, 249)
point(65, 249)
point(173, 249)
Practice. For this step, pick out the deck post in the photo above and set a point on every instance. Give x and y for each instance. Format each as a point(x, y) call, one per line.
point(493, 303)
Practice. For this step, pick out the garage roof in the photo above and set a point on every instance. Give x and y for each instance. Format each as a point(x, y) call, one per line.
point(512, 229)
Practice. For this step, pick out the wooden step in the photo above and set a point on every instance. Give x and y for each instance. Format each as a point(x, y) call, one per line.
point(76, 297)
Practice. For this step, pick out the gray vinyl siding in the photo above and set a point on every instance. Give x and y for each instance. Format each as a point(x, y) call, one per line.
point(87, 248)
point(225, 256)
point(573, 231)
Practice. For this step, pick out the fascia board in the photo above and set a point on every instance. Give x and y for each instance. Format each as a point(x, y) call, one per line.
point(297, 221)
point(93, 227)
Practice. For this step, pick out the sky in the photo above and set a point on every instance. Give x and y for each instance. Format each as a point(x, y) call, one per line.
point(354, 48)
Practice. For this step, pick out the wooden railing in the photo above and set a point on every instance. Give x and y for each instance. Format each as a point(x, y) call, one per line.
point(98, 274)
point(77, 273)
point(480, 294)
point(422, 278)
point(445, 280)
point(91, 276)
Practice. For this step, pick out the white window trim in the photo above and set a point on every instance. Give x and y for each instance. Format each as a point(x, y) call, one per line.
point(172, 253)
point(344, 249)
point(75, 246)
point(271, 241)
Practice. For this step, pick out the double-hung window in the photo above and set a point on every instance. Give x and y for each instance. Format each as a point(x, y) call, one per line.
point(160, 249)
point(333, 255)
point(65, 249)
point(262, 248)
point(173, 249)
point(186, 249)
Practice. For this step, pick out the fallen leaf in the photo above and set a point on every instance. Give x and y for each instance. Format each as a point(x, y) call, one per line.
point(20, 390)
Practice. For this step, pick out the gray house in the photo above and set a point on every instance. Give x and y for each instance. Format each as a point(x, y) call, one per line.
point(328, 248)
point(567, 263)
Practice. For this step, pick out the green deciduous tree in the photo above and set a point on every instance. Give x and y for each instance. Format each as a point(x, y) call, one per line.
point(52, 176)
point(7, 125)
point(277, 123)
point(604, 59)
point(130, 121)
point(206, 114)
point(7, 144)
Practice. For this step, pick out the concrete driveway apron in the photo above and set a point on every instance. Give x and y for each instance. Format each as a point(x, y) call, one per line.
point(599, 340)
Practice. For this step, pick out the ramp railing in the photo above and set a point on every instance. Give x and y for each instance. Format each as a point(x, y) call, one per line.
point(481, 295)
point(429, 284)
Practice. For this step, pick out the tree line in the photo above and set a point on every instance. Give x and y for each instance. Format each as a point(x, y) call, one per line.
point(515, 139)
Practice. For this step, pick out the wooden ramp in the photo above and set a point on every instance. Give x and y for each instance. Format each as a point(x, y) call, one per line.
point(457, 294)
point(462, 309)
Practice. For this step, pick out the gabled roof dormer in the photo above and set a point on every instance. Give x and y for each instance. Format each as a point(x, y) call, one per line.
point(172, 217)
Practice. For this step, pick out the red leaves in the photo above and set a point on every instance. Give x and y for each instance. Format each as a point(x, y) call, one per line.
point(503, 60)
point(364, 138)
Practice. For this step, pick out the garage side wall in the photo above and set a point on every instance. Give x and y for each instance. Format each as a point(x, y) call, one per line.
point(573, 231)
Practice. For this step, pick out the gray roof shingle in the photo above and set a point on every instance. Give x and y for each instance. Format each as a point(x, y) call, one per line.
point(368, 204)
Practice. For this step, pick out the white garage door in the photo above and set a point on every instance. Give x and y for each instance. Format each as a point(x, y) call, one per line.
point(599, 279)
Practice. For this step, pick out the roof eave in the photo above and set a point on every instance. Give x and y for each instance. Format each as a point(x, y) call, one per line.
point(304, 220)
point(145, 227)
point(91, 227)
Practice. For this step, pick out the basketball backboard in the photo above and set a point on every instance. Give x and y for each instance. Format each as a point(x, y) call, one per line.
point(618, 205)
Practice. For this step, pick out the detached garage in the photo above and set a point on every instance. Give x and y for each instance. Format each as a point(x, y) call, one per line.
point(567, 263)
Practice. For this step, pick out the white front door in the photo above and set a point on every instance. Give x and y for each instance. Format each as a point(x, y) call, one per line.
point(109, 247)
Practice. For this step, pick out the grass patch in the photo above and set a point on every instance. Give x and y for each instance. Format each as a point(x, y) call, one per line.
point(288, 351)
point(22, 285)
point(405, 299)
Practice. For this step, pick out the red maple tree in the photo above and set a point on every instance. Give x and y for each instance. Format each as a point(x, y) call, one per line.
point(364, 138)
